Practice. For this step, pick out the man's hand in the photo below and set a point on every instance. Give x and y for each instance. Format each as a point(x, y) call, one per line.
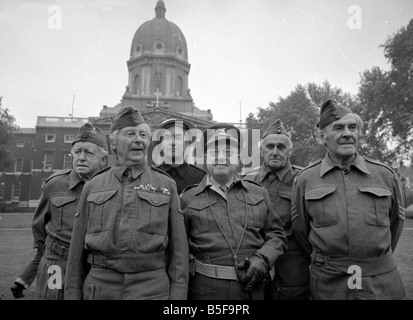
point(256, 273)
point(17, 290)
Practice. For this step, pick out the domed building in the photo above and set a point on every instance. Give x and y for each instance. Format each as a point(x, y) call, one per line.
point(158, 76)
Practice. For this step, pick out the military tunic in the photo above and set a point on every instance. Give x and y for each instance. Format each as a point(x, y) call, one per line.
point(291, 270)
point(52, 227)
point(347, 218)
point(184, 174)
point(129, 239)
point(209, 213)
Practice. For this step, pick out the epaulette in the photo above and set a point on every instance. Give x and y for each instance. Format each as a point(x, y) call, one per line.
point(251, 181)
point(100, 171)
point(379, 163)
point(188, 187)
point(200, 169)
point(310, 165)
point(297, 167)
point(58, 173)
point(253, 171)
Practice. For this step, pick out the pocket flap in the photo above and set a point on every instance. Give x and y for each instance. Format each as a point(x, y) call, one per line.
point(100, 197)
point(61, 201)
point(154, 199)
point(319, 193)
point(251, 199)
point(201, 204)
point(378, 192)
point(285, 194)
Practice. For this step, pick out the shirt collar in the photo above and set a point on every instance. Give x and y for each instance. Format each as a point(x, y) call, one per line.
point(327, 164)
point(74, 179)
point(181, 169)
point(119, 170)
point(207, 183)
point(264, 171)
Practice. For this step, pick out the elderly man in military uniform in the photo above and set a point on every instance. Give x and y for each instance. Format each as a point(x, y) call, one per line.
point(173, 142)
point(129, 239)
point(234, 234)
point(277, 174)
point(347, 214)
point(54, 217)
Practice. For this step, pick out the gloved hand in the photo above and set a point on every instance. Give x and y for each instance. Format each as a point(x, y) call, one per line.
point(17, 290)
point(256, 273)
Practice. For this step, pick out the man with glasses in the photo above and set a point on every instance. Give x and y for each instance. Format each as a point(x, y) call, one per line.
point(129, 239)
point(234, 234)
point(53, 219)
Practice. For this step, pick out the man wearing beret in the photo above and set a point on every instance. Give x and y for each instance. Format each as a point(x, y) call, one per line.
point(53, 219)
point(347, 215)
point(234, 234)
point(172, 138)
point(277, 174)
point(129, 239)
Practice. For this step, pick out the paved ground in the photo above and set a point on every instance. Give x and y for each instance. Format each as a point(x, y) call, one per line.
point(16, 251)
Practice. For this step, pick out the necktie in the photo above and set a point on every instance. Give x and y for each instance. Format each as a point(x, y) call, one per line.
point(223, 187)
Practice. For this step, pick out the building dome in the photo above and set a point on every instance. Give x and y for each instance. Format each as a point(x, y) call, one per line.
point(159, 36)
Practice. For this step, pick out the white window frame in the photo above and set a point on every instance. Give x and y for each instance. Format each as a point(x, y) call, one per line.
point(16, 163)
point(21, 144)
point(67, 159)
point(45, 166)
point(66, 140)
point(19, 190)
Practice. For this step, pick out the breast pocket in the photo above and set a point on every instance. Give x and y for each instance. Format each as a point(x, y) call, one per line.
point(64, 211)
point(283, 206)
point(200, 216)
point(321, 206)
point(102, 210)
point(256, 207)
point(376, 205)
point(153, 212)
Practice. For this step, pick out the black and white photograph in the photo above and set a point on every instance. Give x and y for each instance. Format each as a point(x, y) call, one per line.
point(205, 150)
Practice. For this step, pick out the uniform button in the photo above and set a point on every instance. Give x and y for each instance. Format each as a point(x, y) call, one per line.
point(89, 289)
point(155, 201)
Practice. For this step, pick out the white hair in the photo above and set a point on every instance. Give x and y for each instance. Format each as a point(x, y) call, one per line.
point(322, 132)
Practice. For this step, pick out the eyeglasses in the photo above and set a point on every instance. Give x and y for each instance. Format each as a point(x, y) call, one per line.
point(215, 152)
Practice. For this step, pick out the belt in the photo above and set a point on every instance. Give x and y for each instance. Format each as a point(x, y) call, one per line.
point(97, 260)
point(129, 263)
point(369, 266)
point(59, 247)
point(216, 271)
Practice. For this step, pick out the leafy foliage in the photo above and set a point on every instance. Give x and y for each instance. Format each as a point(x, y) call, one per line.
point(7, 128)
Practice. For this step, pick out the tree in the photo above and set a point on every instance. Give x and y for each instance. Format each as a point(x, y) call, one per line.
point(386, 100)
point(7, 128)
point(299, 113)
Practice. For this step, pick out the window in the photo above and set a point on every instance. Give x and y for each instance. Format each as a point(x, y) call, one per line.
point(20, 143)
point(69, 138)
point(50, 138)
point(67, 161)
point(1, 191)
point(19, 165)
point(16, 190)
point(52, 119)
point(48, 161)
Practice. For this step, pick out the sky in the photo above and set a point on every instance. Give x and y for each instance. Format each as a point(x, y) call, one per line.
point(244, 54)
